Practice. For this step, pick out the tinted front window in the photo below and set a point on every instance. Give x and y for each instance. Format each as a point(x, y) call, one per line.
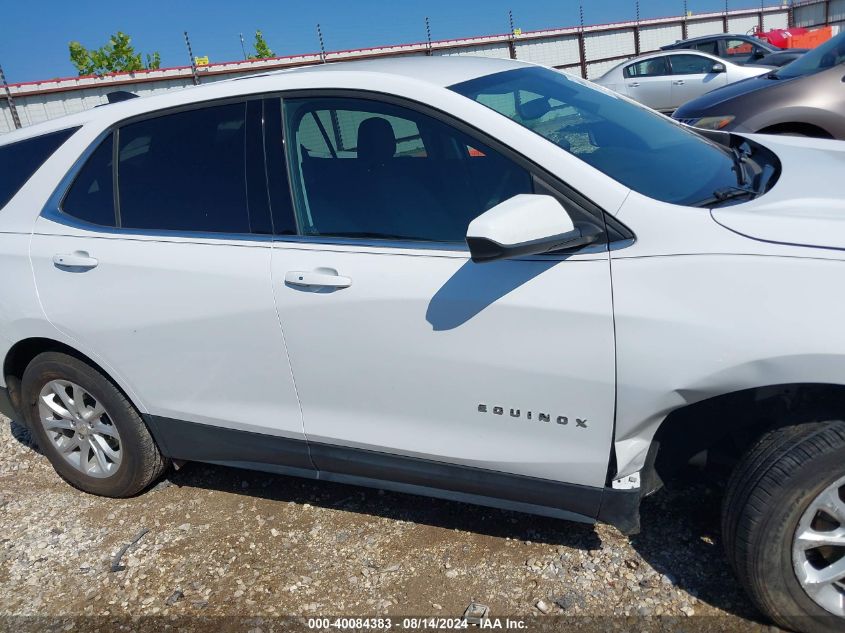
point(185, 171)
point(636, 146)
point(827, 55)
point(91, 197)
point(18, 161)
point(691, 64)
point(372, 170)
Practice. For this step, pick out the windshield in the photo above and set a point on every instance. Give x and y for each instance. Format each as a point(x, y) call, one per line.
point(827, 55)
point(635, 146)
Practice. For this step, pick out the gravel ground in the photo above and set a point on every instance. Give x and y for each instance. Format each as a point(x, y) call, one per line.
point(225, 542)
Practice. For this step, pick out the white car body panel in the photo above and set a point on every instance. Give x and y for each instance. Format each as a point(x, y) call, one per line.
point(792, 213)
point(191, 303)
point(207, 330)
point(402, 359)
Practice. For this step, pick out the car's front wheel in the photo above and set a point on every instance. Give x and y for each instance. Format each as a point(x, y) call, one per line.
point(783, 525)
point(92, 435)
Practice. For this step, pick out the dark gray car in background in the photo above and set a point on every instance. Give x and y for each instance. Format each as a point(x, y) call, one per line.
point(804, 98)
point(739, 49)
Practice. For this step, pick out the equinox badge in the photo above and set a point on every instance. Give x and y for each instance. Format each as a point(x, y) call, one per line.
point(531, 415)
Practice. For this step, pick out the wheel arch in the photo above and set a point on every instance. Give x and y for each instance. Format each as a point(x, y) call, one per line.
point(797, 127)
point(21, 354)
point(727, 425)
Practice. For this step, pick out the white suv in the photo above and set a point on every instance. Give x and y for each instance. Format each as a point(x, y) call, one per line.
point(473, 279)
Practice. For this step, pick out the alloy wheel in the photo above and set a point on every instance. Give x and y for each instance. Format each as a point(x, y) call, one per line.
point(818, 549)
point(80, 429)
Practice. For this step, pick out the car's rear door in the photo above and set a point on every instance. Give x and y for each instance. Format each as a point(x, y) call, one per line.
point(692, 76)
point(412, 363)
point(649, 82)
point(706, 46)
point(160, 269)
point(743, 51)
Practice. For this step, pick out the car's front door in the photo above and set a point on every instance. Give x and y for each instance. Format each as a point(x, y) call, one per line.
point(411, 362)
point(649, 82)
point(170, 288)
point(692, 76)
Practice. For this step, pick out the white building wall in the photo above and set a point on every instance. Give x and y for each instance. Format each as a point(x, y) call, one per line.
point(555, 51)
point(653, 37)
point(500, 51)
point(705, 27)
point(745, 24)
point(597, 69)
point(6, 123)
point(609, 44)
point(809, 15)
point(776, 21)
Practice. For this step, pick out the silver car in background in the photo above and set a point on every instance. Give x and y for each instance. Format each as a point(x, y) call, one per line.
point(666, 80)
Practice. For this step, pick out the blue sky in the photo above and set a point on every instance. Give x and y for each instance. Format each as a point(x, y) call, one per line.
point(34, 37)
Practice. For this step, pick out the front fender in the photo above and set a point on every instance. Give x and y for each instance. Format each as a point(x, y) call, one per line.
point(693, 327)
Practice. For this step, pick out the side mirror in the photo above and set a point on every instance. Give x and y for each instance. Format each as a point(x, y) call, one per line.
point(718, 67)
point(527, 224)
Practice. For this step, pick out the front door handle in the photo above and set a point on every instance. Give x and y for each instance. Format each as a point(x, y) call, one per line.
point(79, 260)
point(318, 278)
point(634, 84)
point(678, 82)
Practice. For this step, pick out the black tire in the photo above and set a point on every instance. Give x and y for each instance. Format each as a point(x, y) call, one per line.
point(767, 494)
point(141, 462)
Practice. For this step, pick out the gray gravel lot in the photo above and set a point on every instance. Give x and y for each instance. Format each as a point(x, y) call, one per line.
point(224, 542)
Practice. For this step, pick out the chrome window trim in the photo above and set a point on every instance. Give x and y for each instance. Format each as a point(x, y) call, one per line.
point(455, 247)
point(57, 216)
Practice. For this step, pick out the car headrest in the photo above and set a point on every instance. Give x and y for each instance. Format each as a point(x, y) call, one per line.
point(376, 140)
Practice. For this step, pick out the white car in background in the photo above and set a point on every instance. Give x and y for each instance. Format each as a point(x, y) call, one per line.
point(668, 79)
point(471, 278)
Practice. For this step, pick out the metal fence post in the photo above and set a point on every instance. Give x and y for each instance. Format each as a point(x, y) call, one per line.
point(12, 108)
point(684, 28)
point(428, 36)
point(826, 12)
point(725, 19)
point(582, 46)
point(322, 44)
point(511, 36)
point(637, 31)
point(194, 73)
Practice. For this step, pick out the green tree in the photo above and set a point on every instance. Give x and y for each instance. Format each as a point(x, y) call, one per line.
point(117, 55)
point(262, 50)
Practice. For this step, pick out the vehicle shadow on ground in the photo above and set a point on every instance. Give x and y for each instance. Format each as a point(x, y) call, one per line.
point(680, 524)
point(450, 515)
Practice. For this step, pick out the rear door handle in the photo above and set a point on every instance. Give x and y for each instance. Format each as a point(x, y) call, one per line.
point(318, 278)
point(678, 82)
point(634, 84)
point(79, 260)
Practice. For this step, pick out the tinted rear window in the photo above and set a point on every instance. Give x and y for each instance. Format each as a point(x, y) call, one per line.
point(185, 171)
point(91, 198)
point(18, 161)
